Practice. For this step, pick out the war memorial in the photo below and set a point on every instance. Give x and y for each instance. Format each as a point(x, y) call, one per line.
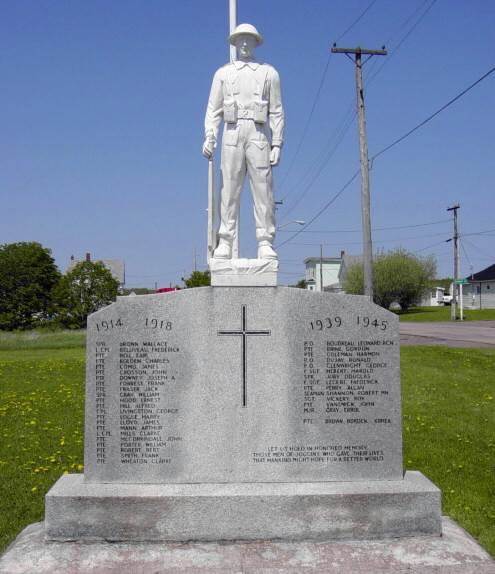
point(243, 427)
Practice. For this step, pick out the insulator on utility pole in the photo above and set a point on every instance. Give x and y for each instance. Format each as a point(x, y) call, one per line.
point(363, 150)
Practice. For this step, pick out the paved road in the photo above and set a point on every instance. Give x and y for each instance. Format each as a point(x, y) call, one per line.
point(458, 334)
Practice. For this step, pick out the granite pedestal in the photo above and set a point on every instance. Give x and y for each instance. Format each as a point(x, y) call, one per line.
point(242, 413)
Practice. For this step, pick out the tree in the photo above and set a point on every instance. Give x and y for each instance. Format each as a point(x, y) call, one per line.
point(398, 276)
point(89, 286)
point(27, 276)
point(301, 284)
point(198, 279)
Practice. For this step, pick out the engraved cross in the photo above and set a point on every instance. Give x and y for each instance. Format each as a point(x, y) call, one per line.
point(244, 333)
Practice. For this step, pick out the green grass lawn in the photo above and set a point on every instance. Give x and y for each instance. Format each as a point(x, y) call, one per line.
point(41, 426)
point(426, 314)
point(449, 430)
point(449, 427)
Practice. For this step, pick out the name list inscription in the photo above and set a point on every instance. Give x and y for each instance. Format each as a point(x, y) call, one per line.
point(342, 381)
point(343, 388)
point(148, 410)
point(146, 377)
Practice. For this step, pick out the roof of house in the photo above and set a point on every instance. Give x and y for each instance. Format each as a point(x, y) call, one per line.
point(324, 259)
point(487, 274)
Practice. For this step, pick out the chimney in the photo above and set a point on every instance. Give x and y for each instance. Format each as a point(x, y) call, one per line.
point(88, 256)
point(342, 253)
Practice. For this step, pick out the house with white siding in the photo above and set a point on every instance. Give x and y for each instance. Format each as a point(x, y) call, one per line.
point(479, 292)
point(326, 268)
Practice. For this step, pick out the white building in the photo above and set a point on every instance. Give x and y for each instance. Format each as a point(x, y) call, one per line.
point(326, 268)
point(479, 293)
point(433, 297)
point(115, 266)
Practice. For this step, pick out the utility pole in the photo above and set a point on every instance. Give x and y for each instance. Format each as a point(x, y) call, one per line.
point(363, 149)
point(321, 267)
point(233, 58)
point(453, 308)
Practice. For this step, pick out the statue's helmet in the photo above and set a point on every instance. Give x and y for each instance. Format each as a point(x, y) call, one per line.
point(245, 29)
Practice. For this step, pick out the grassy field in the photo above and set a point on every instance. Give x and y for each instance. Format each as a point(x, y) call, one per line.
point(20, 340)
point(426, 314)
point(449, 426)
point(449, 430)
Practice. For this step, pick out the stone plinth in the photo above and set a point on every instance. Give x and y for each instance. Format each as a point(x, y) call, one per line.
point(77, 510)
point(243, 272)
point(455, 552)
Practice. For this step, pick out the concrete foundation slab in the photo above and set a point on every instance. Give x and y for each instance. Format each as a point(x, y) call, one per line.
point(79, 510)
point(455, 552)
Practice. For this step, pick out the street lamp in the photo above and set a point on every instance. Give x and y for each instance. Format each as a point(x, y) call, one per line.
point(298, 221)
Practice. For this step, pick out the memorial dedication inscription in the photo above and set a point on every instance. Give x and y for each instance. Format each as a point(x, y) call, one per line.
point(243, 385)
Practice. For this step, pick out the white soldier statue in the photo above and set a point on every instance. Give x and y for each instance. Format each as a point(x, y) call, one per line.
point(246, 95)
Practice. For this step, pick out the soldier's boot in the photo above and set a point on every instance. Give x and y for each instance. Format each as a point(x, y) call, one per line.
point(266, 251)
point(223, 250)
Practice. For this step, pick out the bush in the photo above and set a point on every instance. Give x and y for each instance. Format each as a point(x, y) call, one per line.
point(27, 276)
point(89, 286)
point(398, 276)
point(198, 279)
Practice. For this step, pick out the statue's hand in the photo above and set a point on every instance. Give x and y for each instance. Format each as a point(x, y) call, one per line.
point(208, 148)
point(275, 155)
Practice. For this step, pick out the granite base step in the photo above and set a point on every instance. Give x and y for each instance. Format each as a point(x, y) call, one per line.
point(455, 552)
point(80, 510)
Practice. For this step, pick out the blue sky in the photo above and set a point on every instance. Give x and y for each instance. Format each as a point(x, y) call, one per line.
point(102, 106)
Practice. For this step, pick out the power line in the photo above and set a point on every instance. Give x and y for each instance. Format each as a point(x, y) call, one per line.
point(326, 160)
point(329, 156)
point(318, 93)
point(477, 233)
point(374, 229)
point(429, 118)
point(387, 148)
point(319, 169)
point(465, 253)
point(396, 239)
point(430, 246)
point(403, 39)
point(349, 28)
point(308, 122)
point(480, 250)
point(326, 206)
point(391, 39)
